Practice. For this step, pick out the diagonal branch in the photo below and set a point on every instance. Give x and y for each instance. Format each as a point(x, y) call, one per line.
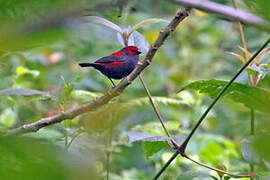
point(226, 11)
point(96, 103)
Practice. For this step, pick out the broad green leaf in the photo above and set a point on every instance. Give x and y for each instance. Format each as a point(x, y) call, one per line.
point(22, 91)
point(255, 97)
point(25, 158)
point(212, 153)
point(105, 22)
point(145, 23)
point(195, 175)
point(151, 148)
point(248, 153)
point(261, 141)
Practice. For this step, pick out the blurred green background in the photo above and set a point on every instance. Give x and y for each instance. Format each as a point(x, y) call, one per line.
point(41, 44)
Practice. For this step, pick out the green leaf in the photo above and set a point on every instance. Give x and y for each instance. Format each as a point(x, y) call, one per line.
point(255, 97)
point(194, 175)
point(226, 177)
point(234, 177)
point(248, 153)
point(151, 143)
point(252, 72)
point(151, 148)
point(105, 22)
point(67, 87)
point(159, 99)
point(22, 91)
point(266, 65)
point(212, 153)
point(79, 79)
point(256, 70)
point(22, 71)
point(25, 158)
point(145, 23)
point(8, 117)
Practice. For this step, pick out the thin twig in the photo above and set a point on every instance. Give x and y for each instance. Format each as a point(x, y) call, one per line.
point(215, 169)
point(243, 40)
point(100, 101)
point(182, 148)
point(154, 106)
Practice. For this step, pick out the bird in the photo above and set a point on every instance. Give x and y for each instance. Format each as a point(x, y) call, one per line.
point(118, 64)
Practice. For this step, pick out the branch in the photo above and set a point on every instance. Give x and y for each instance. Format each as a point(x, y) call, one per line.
point(228, 12)
point(154, 106)
point(96, 103)
point(217, 170)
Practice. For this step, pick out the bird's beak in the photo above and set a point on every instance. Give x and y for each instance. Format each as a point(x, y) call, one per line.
point(139, 52)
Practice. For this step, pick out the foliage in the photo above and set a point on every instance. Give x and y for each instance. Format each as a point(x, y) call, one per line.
point(41, 44)
point(251, 97)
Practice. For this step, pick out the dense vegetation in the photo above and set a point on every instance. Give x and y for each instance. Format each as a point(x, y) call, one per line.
point(121, 137)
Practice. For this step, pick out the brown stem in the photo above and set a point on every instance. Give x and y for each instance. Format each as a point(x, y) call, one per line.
point(116, 91)
point(154, 106)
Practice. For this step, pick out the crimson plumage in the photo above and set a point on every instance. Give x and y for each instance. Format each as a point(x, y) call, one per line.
point(117, 65)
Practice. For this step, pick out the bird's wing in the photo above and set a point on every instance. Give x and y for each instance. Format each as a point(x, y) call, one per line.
point(110, 59)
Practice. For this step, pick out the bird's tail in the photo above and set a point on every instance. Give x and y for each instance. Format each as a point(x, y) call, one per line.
point(87, 64)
